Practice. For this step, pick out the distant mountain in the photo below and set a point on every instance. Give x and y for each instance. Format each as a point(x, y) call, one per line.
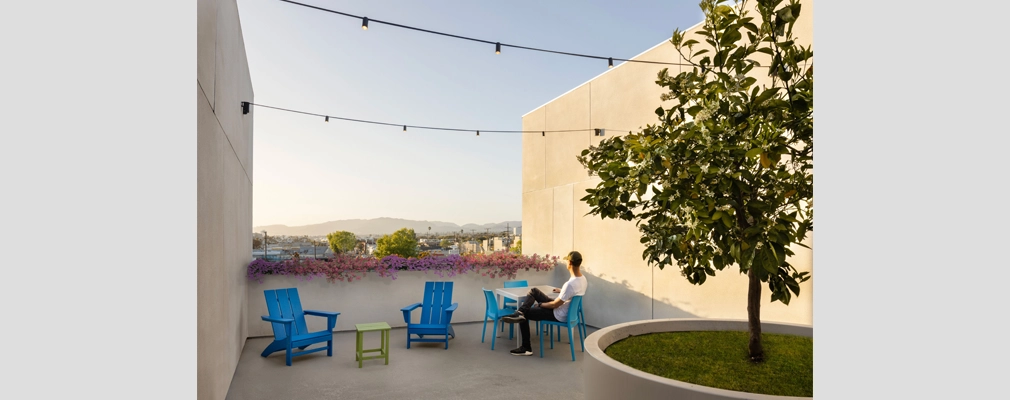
point(382, 226)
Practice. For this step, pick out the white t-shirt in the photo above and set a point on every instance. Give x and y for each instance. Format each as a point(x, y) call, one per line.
point(576, 286)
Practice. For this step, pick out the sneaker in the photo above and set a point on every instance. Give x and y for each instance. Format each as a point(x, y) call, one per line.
point(514, 318)
point(521, 351)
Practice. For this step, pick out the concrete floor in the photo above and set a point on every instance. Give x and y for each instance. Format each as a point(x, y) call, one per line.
point(469, 369)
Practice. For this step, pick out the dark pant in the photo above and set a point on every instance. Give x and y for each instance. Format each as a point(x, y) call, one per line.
point(534, 313)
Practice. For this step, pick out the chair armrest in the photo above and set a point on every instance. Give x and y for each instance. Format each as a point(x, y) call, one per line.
point(406, 311)
point(321, 313)
point(448, 312)
point(411, 307)
point(278, 320)
point(331, 317)
point(288, 323)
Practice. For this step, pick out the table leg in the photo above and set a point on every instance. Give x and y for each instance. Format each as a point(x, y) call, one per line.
point(358, 354)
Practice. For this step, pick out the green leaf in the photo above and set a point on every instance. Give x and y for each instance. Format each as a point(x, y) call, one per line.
point(726, 220)
point(753, 152)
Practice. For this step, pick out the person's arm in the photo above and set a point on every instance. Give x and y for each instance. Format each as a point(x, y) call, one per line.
point(561, 298)
point(553, 303)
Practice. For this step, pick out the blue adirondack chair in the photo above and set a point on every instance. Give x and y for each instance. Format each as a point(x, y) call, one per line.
point(436, 313)
point(288, 321)
point(571, 323)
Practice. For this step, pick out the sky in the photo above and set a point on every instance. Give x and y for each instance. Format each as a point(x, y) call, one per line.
point(308, 171)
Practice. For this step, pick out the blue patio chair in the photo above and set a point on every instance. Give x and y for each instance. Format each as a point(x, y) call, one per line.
point(436, 313)
point(494, 313)
point(571, 323)
point(582, 327)
point(288, 322)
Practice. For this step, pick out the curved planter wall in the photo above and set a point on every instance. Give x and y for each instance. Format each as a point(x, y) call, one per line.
point(378, 299)
point(605, 378)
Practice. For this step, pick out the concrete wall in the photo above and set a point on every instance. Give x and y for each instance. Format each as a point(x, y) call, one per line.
point(379, 299)
point(622, 287)
point(224, 195)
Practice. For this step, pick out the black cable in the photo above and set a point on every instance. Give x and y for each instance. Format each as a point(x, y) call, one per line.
point(486, 41)
point(433, 128)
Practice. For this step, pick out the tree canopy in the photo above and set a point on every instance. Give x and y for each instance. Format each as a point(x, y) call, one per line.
point(726, 175)
point(402, 242)
point(341, 241)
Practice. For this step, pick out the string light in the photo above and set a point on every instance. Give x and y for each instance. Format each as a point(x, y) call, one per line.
point(247, 105)
point(611, 61)
point(498, 45)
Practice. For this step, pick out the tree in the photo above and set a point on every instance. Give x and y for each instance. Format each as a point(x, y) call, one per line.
point(341, 241)
point(402, 242)
point(445, 243)
point(518, 247)
point(725, 177)
point(257, 242)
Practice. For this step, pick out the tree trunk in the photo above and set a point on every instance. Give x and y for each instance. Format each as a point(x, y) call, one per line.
point(757, 353)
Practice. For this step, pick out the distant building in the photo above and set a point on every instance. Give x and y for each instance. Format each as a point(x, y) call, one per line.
point(472, 247)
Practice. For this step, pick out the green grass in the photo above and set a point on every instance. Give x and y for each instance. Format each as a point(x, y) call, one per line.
point(719, 359)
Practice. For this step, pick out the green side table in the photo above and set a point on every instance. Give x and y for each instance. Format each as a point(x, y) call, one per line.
point(383, 350)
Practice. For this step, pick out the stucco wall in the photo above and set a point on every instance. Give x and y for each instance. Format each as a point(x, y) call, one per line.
point(622, 287)
point(224, 195)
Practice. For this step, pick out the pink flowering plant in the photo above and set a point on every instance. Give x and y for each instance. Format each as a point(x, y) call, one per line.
point(348, 268)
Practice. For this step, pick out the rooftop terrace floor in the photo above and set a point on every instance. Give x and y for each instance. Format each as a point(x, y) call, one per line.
point(469, 369)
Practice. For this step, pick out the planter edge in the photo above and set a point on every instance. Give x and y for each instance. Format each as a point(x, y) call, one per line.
point(607, 378)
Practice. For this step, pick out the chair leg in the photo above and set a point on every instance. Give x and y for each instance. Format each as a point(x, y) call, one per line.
point(274, 346)
point(484, 330)
point(571, 344)
point(541, 346)
point(287, 355)
point(493, 337)
point(329, 348)
point(582, 341)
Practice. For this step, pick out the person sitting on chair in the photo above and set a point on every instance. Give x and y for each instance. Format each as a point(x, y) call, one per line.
point(548, 309)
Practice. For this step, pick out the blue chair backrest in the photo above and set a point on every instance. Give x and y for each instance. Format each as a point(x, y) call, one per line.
point(521, 283)
point(437, 297)
point(284, 303)
point(490, 301)
point(573, 309)
point(509, 284)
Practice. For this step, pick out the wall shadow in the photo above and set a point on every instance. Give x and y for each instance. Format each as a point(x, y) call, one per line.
point(607, 303)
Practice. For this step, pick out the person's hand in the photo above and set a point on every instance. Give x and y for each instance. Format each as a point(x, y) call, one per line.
point(556, 290)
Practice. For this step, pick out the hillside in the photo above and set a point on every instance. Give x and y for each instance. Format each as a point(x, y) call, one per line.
point(382, 226)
